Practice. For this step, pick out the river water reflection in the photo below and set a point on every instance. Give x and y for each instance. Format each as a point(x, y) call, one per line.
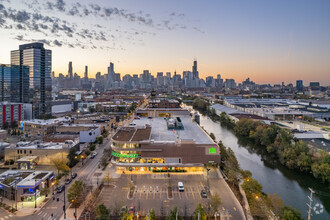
point(275, 178)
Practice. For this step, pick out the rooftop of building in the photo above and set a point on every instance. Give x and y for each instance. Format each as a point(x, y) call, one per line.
point(48, 121)
point(280, 110)
point(12, 177)
point(223, 108)
point(155, 130)
point(44, 145)
point(35, 178)
point(248, 116)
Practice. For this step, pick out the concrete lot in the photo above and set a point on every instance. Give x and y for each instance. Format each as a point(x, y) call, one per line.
point(151, 191)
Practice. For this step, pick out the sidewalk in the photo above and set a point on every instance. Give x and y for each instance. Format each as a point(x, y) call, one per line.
point(28, 207)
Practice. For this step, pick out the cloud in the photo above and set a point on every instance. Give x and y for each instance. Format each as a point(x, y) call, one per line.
point(59, 5)
point(197, 29)
point(50, 20)
point(57, 43)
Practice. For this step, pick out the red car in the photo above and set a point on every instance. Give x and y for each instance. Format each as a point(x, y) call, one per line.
point(136, 117)
point(131, 210)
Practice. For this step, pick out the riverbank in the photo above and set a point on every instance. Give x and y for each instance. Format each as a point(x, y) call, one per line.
point(274, 177)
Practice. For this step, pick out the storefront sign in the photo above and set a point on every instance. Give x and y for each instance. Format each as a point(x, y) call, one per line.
point(212, 150)
point(125, 156)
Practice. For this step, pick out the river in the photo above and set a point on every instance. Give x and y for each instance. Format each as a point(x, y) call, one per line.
point(290, 185)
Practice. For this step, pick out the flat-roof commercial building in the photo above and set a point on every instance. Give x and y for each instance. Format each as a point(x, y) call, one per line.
point(42, 128)
point(159, 144)
point(24, 185)
point(45, 151)
point(87, 132)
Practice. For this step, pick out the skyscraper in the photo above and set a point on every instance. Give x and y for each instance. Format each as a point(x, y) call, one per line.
point(86, 73)
point(194, 70)
point(14, 83)
point(39, 61)
point(299, 86)
point(70, 72)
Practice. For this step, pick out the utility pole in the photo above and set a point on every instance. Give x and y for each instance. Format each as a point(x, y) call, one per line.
point(310, 203)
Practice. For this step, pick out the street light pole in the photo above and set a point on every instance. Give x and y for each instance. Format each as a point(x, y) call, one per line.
point(64, 204)
point(35, 193)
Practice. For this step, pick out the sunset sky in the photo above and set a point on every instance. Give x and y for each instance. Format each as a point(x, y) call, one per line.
point(268, 41)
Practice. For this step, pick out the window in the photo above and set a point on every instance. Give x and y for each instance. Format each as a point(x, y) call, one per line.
point(30, 151)
point(24, 151)
point(17, 151)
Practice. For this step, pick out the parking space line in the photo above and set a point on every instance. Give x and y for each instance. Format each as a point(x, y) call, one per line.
point(179, 195)
point(192, 192)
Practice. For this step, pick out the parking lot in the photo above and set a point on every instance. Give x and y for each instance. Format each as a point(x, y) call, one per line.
point(152, 191)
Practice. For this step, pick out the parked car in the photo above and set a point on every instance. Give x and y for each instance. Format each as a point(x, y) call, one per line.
point(136, 117)
point(93, 155)
point(132, 124)
point(123, 209)
point(203, 194)
point(60, 189)
point(68, 181)
point(131, 210)
point(74, 175)
point(180, 186)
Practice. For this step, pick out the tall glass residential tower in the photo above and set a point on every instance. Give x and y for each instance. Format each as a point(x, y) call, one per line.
point(39, 61)
point(14, 83)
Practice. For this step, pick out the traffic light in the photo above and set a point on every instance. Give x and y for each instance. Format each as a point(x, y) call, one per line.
point(63, 207)
point(22, 198)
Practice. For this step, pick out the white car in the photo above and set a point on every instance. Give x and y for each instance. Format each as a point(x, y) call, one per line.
point(180, 186)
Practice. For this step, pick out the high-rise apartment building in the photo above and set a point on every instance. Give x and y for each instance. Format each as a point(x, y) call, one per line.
point(14, 83)
point(299, 86)
point(39, 61)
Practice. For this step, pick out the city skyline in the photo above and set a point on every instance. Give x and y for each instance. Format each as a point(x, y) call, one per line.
point(270, 42)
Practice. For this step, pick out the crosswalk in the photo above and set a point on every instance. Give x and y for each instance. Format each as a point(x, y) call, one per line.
point(44, 215)
point(6, 217)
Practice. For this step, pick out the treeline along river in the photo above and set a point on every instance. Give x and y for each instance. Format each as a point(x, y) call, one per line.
point(290, 185)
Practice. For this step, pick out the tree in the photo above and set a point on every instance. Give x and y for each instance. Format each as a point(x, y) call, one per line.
point(151, 215)
point(212, 136)
point(75, 193)
point(289, 213)
point(91, 109)
point(92, 147)
point(275, 202)
point(60, 164)
point(252, 186)
point(104, 161)
point(102, 212)
point(45, 191)
point(107, 178)
point(174, 214)
point(99, 139)
point(127, 216)
point(199, 211)
point(90, 200)
point(14, 124)
point(215, 202)
point(72, 157)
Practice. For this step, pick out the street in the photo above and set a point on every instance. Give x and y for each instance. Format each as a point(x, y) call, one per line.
point(85, 174)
